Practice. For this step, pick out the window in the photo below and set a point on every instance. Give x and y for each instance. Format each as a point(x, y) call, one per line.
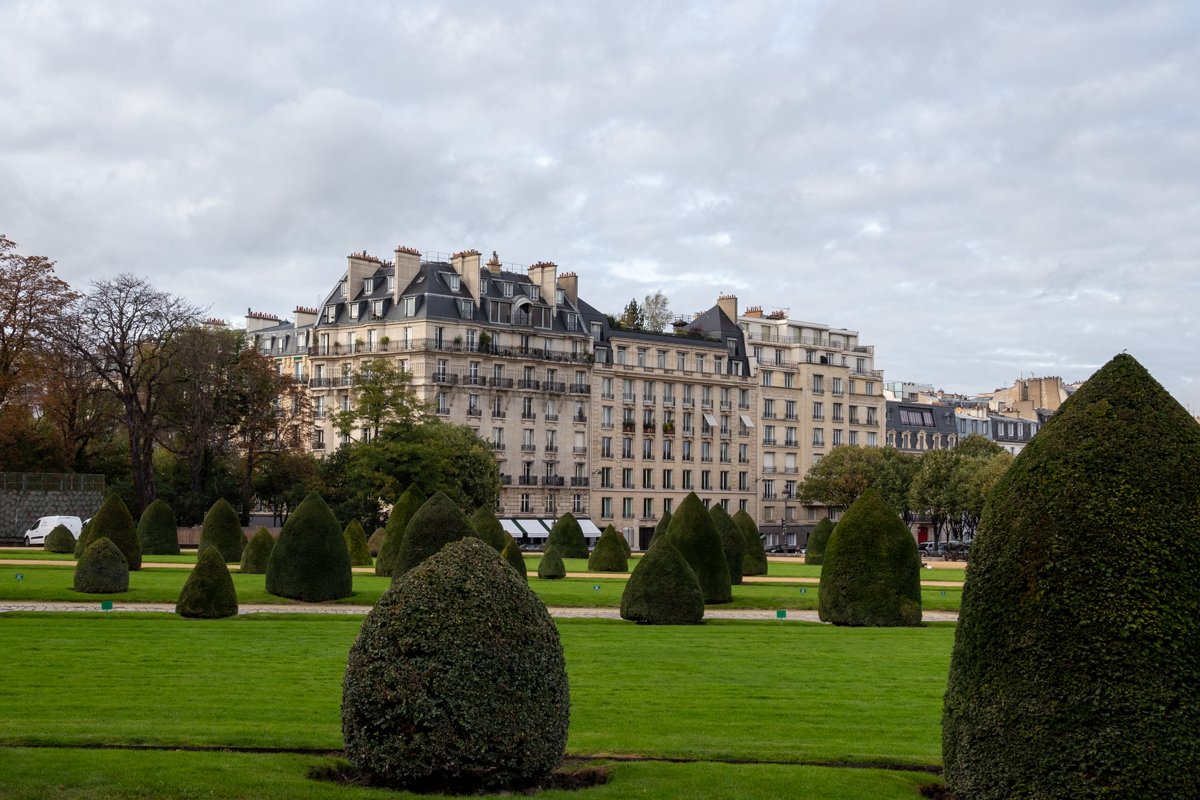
point(535, 292)
point(606, 388)
point(506, 288)
point(768, 409)
point(391, 283)
point(699, 362)
point(330, 315)
point(648, 391)
point(627, 507)
point(818, 411)
point(627, 448)
point(705, 479)
point(443, 406)
point(667, 479)
point(743, 398)
point(837, 436)
point(342, 288)
point(410, 306)
point(913, 417)
point(687, 479)
point(837, 412)
point(680, 361)
point(647, 479)
point(641, 356)
point(606, 507)
point(853, 437)
point(662, 359)
point(668, 506)
point(818, 384)
point(870, 388)
point(622, 354)
point(724, 481)
point(647, 448)
point(648, 508)
point(818, 437)
point(597, 331)
point(526, 504)
point(766, 378)
point(466, 309)
point(577, 504)
point(368, 285)
point(743, 481)
point(871, 439)
point(718, 365)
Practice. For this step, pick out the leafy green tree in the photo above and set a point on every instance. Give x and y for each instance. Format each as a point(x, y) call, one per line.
point(841, 476)
point(382, 397)
point(655, 312)
point(893, 479)
point(632, 318)
point(936, 491)
point(978, 446)
point(979, 475)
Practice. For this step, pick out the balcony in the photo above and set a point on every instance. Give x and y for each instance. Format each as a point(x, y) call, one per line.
point(866, 373)
point(580, 388)
point(689, 431)
point(500, 383)
point(768, 494)
point(331, 383)
point(648, 428)
point(552, 480)
point(474, 412)
point(606, 395)
point(474, 380)
point(445, 378)
point(725, 434)
point(769, 441)
point(629, 397)
point(791, 443)
point(768, 415)
point(551, 448)
point(628, 426)
point(527, 480)
point(554, 386)
point(606, 425)
point(581, 418)
point(528, 415)
point(791, 471)
point(768, 470)
point(726, 405)
point(668, 402)
point(498, 445)
point(792, 417)
point(506, 480)
point(689, 402)
point(497, 414)
point(648, 399)
point(529, 448)
point(706, 403)
point(818, 417)
point(318, 445)
point(579, 481)
point(579, 451)
point(668, 429)
point(706, 432)
point(552, 418)
point(705, 459)
point(686, 458)
point(527, 383)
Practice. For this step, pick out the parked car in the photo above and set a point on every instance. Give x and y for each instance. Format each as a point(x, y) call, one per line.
point(41, 529)
point(957, 551)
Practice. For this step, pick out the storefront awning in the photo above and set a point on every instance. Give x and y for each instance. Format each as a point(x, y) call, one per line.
point(711, 420)
point(746, 421)
point(589, 528)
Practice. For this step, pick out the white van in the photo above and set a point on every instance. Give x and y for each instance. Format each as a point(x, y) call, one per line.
point(38, 533)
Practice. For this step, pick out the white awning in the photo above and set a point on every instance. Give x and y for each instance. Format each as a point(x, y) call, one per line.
point(548, 524)
point(589, 528)
point(746, 421)
point(514, 530)
point(711, 420)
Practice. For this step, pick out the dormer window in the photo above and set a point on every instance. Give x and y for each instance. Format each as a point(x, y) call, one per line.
point(453, 281)
point(342, 288)
point(560, 297)
point(410, 306)
point(376, 309)
point(369, 285)
point(391, 283)
point(535, 293)
point(508, 288)
point(354, 311)
point(572, 322)
point(330, 314)
point(483, 286)
point(466, 309)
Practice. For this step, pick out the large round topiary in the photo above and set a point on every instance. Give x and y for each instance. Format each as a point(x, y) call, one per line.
point(257, 554)
point(310, 561)
point(1076, 666)
point(872, 571)
point(102, 569)
point(157, 531)
point(223, 530)
point(694, 534)
point(457, 681)
point(663, 589)
point(488, 528)
point(732, 541)
point(376, 540)
point(567, 537)
point(608, 555)
point(814, 551)
point(208, 592)
point(59, 540)
point(660, 529)
point(81, 542)
point(755, 560)
point(512, 554)
point(113, 522)
point(356, 544)
point(436, 524)
point(408, 504)
point(551, 566)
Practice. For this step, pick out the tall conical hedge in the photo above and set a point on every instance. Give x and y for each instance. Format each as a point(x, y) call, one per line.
point(567, 537)
point(818, 540)
point(512, 554)
point(694, 534)
point(158, 533)
point(660, 529)
point(732, 541)
point(755, 560)
point(102, 569)
point(81, 542)
point(663, 589)
point(310, 561)
point(208, 592)
point(257, 554)
point(488, 528)
point(436, 524)
point(376, 541)
point(872, 571)
point(223, 530)
point(412, 499)
point(551, 566)
point(1076, 664)
point(608, 555)
point(356, 544)
point(113, 522)
point(59, 540)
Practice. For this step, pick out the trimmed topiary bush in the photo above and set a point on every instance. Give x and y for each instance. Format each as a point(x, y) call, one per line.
point(488, 528)
point(818, 540)
point(223, 530)
point(872, 571)
point(408, 504)
point(376, 540)
point(102, 569)
point(113, 522)
point(258, 553)
point(512, 554)
point(663, 589)
point(59, 540)
point(356, 545)
point(310, 561)
point(732, 542)
point(608, 555)
point(1076, 671)
point(436, 524)
point(755, 560)
point(208, 592)
point(81, 542)
point(551, 566)
point(660, 529)
point(457, 681)
point(158, 533)
point(694, 534)
point(567, 538)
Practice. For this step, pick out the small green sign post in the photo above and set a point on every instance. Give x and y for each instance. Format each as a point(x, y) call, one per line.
point(595, 587)
point(803, 590)
point(106, 606)
point(780, 615)
point(20, 577)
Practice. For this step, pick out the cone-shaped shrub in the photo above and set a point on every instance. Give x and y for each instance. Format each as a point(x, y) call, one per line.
point(695, 535)
point(512, 554)
point(608, 555)
point(102, 569)
point(258, 553)
point(356, 544)
point(551, 566)
point(310, 561)
point(157, 530)
point(208, 592)
point(872, 571)
point(436, 524)
point(59, 540)
point(508, 539)
point(660, 529)
point(1076, 666)
point(663, 589)
point(223, 530)
point(81, 542)
point(488, 528)
point(412, 499)
point(457, 681)
point(114, 523)
point(567, 537)
point(818, 540)
point(755, 560)
point(376, 541)
point(732, 542)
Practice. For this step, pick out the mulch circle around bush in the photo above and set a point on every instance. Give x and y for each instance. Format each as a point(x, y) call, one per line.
point(338, 770)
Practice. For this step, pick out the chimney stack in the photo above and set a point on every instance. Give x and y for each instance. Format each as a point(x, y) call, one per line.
point(545, 275)
point(728, 304)
point(256, 321)
point(305, 316)
point(569, 282)
point(408, 264)
point(466, 264)
point(359, 267)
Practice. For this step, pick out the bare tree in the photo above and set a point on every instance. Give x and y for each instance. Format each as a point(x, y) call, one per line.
point(655, 312)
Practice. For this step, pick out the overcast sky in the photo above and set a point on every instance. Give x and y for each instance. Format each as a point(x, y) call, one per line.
point(979, 192)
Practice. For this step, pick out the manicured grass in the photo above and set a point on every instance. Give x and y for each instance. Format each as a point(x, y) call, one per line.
point(775, 569)
point(724, 689)
point(186, 557)
point(27, 774)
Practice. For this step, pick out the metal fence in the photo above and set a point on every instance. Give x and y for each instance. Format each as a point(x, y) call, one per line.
point(50, 482)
